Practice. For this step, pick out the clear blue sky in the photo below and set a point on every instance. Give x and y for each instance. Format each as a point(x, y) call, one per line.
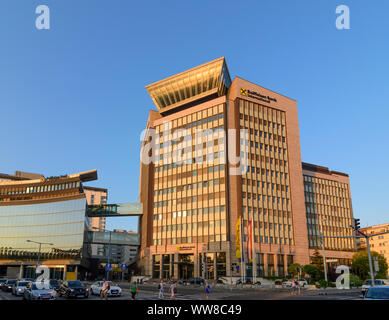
point(73, 98)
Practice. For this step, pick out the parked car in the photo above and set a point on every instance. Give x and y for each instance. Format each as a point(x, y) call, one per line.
point(377, 293)
point(287, 284)
point(19, 287)
point(39, 291)
point(114, 290)
point(377, 282)
point(303, 282)
point(73, 289)
point(7, 287)
point(196, 281)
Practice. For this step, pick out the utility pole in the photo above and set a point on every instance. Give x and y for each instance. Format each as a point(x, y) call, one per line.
point(40, 247)
point(324, 252)
point(324, 258)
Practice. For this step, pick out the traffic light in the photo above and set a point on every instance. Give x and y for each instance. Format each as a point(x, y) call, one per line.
point(357, 225)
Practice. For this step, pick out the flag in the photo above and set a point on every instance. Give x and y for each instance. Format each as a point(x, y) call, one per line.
point(238, 240)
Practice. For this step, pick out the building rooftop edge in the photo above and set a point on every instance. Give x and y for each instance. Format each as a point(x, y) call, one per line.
point(317, 168)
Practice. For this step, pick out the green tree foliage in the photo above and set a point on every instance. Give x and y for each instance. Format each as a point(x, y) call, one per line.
point(294, 268)
point(360, 265)
point(317, 260)
point(314, 273)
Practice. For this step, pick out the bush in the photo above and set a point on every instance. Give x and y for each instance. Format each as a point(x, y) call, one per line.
point(323, 283)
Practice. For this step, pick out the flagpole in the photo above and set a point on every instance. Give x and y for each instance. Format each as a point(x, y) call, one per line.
point(253, 257)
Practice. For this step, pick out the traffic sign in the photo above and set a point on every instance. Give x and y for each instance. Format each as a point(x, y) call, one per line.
point(237, 268)
point(108, 267)
point(124, 267)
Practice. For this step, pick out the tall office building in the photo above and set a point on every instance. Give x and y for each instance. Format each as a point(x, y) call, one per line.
point(96, 196)
point(379, 243)
point(329, 213)
point(191, 207)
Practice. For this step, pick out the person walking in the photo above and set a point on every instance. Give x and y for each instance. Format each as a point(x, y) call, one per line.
point(173, 289)
point(298, 287)
point(133, 290)
point(293, 288)
point(161, 290)
point(207, 290)
point(104, 290)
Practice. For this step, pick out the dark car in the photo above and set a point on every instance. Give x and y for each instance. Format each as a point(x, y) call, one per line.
point(377, 293)
point(196, 281)
point(55, 284)
point(7, 287)
point(73, 289)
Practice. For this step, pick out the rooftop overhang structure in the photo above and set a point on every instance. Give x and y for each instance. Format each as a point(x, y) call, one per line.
point(209, 80)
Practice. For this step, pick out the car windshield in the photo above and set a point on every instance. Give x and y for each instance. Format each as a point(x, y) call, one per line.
point(11, 281)
point(53, 282)
point(2, 280)
point(378, 293)
point(22, 284)
point(41, 286)
point(73, 284)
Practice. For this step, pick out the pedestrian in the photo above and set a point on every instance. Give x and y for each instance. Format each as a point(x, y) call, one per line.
point(293, 288)
point(298, 287)
point(161, 289)
point(173, 290)
point(207, 290)
point(105, 288)
point(134, 290)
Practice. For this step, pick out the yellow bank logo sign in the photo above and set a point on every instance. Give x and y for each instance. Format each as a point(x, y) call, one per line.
point(243, 92)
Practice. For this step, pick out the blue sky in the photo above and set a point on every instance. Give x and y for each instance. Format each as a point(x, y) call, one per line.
point(73, 98)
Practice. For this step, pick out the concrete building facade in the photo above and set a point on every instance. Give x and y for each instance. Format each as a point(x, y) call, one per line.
point(191, 207)
point(377, 243)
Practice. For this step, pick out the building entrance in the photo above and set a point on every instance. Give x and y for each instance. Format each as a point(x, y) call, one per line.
point(186, 266)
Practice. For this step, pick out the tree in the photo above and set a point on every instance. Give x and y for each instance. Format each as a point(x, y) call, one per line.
point(317, 260)
point(360, 265)
point(314, 273)
point(294, 269)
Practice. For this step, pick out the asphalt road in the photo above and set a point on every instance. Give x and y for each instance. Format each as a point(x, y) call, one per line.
point(150, 292)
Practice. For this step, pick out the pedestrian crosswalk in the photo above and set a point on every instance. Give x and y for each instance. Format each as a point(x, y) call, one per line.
point(167, 298)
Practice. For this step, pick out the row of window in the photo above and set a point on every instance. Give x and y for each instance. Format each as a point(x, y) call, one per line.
point(200, 239)
point(193, 212)
point(270, 173)
point(265, 123)
point(199, 198)
point(265, 147)
point(265, 212)
point(195, 124)
point(192, 226)
point(268, 185)
point(204, 184)
point(43, 188)
point(265, 198)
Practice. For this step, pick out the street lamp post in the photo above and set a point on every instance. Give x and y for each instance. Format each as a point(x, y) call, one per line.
point(40, 247)
point(324, 257)
point(324, 250)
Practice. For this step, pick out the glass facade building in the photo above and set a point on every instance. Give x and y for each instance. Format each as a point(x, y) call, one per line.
point(61, 223)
